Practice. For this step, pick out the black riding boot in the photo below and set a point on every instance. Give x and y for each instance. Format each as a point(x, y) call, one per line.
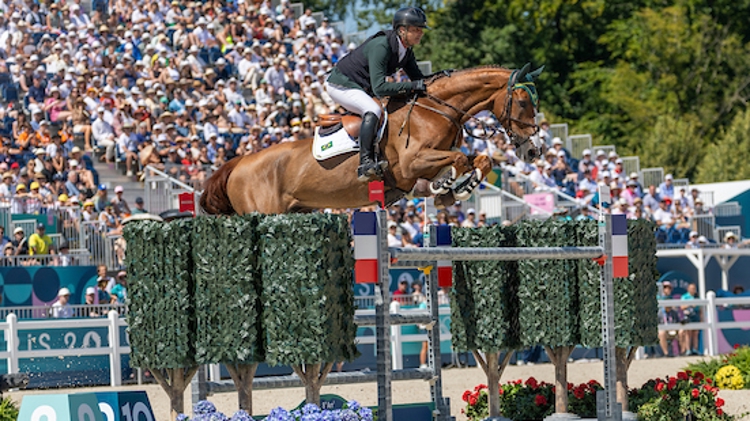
point(368, 167)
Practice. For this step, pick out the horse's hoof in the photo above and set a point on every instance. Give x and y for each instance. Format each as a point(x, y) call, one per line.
point(442, 201)
point(438, 191)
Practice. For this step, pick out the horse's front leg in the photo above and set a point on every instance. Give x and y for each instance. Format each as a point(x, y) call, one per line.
point(482, 167)
point(426, 163)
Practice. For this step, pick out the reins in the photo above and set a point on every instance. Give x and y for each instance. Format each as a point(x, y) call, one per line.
point(489, 131)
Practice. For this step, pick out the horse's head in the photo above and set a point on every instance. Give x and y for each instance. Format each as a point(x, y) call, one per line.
point(517, 112)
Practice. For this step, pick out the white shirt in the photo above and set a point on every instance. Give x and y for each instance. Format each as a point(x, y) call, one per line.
point(60, 311)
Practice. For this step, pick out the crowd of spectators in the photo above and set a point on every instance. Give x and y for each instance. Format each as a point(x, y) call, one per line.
point(181, 86)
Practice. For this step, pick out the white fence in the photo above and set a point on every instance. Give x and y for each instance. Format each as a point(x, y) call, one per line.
point(709, 323)
point(161, 192)
point(114, 350)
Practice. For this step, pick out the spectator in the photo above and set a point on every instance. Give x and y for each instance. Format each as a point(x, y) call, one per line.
point(693, 241)
point(663, 216)
point(3, 238)
point(139, 209)
point(92, 306)
point(667, 315)
point(120, 290)
point(101, 201)
point(666, 188)
point(119, 203)
point(401, 294)
point(105, 282)
point(651, 199)
point(39, 242)
point(394, 237)
point(61, 309)
point(20, 242)
point(692, 314)
point(64, 258)
point(470, 221)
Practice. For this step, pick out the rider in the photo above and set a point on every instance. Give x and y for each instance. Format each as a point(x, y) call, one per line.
point(361, 75)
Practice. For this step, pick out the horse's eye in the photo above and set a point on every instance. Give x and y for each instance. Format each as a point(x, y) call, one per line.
point(522, 103)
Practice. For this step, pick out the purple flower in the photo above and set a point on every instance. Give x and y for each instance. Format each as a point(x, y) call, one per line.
point(216, 416)
point(366, 414)
point(203, 408)
point(310, 408)
point(348, 415)
point(353, 405)
point(241, 416)
point(279, 414)
point(182, 417)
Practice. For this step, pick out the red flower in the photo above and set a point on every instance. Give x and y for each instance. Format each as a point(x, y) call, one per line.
point(466, 395)
point(570, 386)
point(501, 391)
point(736, 346)
point(659, 386)
point(696, 382)
point(719, 412)
point(695, 393)
point(682, 375)
point(672, 383)
point(698, 375)
point(532, 383)
point(480, 387)
point(688, 372)
point(540, 400)
point(472, 400)
point(719, 403)
point(579, 393)
point(709, 381)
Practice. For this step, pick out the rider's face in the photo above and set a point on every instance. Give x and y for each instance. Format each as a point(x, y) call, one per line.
point(412, 35)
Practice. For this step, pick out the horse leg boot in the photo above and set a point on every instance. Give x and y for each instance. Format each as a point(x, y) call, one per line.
point(482, 167)
point(368, 166)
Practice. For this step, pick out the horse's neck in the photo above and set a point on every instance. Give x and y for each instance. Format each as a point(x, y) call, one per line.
point(471, 91)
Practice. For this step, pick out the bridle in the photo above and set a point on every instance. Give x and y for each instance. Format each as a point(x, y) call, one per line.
point(488, 131)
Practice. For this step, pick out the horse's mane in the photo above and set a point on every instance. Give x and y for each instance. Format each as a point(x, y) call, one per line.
point(446, 73)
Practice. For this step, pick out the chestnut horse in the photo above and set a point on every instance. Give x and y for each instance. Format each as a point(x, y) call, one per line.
point(418, 145)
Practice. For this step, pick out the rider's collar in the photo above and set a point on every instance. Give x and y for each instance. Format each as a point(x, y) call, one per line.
point(401, 49)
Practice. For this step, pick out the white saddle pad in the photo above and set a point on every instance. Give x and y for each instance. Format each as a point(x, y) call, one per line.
point(339, 142)
point(336, 143)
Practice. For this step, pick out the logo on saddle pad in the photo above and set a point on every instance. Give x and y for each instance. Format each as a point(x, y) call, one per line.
point(334, 140)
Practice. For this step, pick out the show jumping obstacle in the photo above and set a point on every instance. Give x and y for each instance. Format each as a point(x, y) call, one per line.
point(374, 258)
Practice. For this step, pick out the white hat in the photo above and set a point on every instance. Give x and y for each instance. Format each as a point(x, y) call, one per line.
point(633, 175)
point(668, 177)
point(702, 239)
point(557, 141)
point(586, 152)
point(471, 210)
point(63, 291)
point(72, 163)
point(119, 189)
point(693, 234)
point(90, 290)
point(600, 153)
point(618, 161)
point(613, 154)
point(221, 61)
point(17, 230)
point(729, 235)
point(561, 153)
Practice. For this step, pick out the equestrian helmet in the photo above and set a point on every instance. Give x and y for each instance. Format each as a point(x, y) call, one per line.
point(410, 16)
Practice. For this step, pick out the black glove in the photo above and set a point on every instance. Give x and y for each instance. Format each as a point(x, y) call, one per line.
point(418, 87)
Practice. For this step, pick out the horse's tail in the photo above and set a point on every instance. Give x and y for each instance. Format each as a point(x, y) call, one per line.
point(214, 199)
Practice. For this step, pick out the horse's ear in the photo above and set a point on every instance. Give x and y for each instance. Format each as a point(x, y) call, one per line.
point(535, 74)
point(521, 74)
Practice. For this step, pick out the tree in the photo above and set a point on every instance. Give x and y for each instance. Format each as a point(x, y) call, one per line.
point(727, 158)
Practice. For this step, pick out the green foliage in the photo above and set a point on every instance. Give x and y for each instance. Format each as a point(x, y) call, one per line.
point(727, 158)
point(484, 303)
point(740, 358)
point(662, 80)
point(635, 296)
point(228, 284)
point(548, 290)
point(501, 305)
point(308, 300)
point(8, 409)
point(161, 313)
point(685, 395)
point(530, 400)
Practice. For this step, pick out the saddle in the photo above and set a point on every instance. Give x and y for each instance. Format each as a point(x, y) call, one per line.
point(350, 122)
